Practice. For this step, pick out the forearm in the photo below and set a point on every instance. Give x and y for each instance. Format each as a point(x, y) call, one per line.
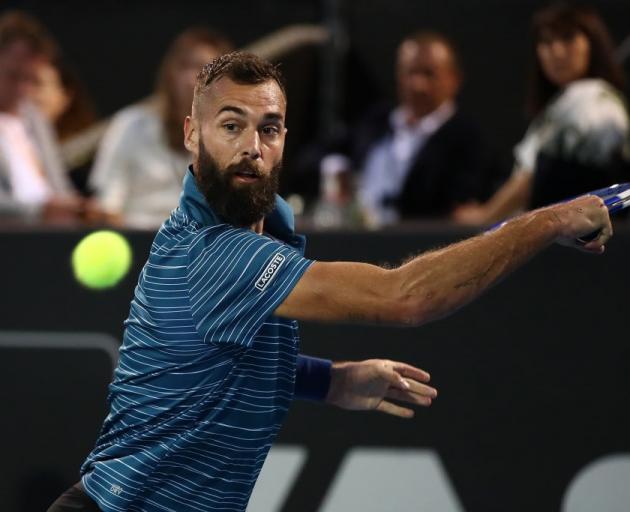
point(439, 282)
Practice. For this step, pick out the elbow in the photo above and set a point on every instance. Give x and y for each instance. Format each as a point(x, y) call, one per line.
point(411, 303)
point(409, 311)
point(402, 305)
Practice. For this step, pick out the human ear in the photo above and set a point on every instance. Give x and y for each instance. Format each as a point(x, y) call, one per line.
point(191, 135)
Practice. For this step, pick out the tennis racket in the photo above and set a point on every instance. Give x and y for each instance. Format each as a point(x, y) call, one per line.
point(616, 198)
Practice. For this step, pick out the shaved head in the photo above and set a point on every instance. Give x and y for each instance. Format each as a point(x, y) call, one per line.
point(242, 68)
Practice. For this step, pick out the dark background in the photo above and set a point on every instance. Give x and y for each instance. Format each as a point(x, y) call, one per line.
point(533, 377)
point(117, 46)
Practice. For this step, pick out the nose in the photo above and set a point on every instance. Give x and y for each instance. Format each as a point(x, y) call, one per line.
point(557, 48)
point(251, 147)
point(418, 83)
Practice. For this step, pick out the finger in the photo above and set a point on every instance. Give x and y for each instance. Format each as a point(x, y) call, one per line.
point(407, 370)
point(602, 237)
point(394, 410)
point(406, 396)
point(597, 246)
point(593, 248)
point(421, 389)
point(394, 379)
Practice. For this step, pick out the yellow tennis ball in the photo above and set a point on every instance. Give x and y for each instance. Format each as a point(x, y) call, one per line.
point(101, 259)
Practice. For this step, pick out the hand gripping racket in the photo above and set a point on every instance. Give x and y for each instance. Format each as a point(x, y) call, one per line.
point(616, 198)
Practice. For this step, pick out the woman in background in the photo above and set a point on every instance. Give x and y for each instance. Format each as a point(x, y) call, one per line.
point(579, 133)
point(62, 97)
point(139, 167)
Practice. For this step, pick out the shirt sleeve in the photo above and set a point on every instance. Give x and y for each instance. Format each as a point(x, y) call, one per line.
point(236, 279)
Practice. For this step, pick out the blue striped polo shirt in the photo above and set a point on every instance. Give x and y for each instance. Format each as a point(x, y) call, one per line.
point(206, 371)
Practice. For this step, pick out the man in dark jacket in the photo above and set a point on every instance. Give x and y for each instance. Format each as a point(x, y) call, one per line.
point(423, 157)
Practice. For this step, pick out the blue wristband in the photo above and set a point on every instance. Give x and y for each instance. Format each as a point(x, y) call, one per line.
point(312, 378)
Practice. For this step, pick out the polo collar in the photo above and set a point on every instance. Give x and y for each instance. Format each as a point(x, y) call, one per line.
point(279, 223)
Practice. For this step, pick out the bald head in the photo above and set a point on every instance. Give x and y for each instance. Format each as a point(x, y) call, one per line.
point(428, 73)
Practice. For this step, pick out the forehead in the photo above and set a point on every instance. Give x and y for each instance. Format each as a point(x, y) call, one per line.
point(430, 53)
point(18, 51)
point(256, 99)
point(549, 34)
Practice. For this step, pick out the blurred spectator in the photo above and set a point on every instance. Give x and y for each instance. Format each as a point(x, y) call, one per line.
point(62, 97)
point(421, 158)
point(138, 172)
point(579, 133)
point(33, 183)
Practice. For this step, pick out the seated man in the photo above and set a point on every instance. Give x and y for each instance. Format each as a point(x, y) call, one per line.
point(423, 157)
point(33, 183)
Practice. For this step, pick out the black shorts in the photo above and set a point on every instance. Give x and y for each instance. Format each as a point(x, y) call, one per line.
point(73, 500)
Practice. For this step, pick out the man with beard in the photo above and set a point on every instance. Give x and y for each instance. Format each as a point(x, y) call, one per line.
point(209, 361)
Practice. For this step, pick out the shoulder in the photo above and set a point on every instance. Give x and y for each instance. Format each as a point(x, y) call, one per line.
point(591, 88)
point(461, 129)
point(375, 118)
point(35, 121)
point(135, 117)
point(30, 113)
point(222, 240)
point(461, 121)
point(591, 97)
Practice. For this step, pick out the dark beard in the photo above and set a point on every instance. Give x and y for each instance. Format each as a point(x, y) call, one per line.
point(242, 205)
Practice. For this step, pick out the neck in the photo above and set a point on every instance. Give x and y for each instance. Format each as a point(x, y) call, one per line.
point(258, 226)
point(10, 109)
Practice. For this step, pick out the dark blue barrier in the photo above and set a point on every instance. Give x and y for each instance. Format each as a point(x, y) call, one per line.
point(533, 377)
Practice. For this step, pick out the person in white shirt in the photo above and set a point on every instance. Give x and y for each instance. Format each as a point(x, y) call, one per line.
point(33, 183)
point(139, 167)
point(579, 134)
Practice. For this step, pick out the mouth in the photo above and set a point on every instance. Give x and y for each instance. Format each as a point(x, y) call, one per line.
point(246, 176)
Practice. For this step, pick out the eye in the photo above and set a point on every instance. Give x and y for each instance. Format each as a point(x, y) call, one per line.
point(230, 127)
point(270, 130)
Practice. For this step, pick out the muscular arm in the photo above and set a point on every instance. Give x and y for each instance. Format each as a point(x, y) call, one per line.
point(436, 283)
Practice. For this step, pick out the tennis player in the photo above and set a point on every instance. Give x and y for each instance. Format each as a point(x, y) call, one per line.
point(209, 362)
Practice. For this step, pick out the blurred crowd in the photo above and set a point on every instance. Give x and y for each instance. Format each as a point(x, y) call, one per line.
point(420, 158)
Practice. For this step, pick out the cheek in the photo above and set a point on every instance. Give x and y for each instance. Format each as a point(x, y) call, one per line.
point(547, 63)
point(272, 153)
point(221, 151)
point(222, 155)
point(542, 52)
point(277, 146)
point(584, 59)
point(444, 87)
